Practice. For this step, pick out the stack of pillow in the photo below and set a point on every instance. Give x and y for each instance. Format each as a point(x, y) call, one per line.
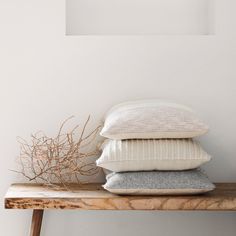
point(149, 149)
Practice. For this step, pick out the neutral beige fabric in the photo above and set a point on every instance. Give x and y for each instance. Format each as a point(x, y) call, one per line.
point(157, 191)
point(162, 154)
point(147, 119)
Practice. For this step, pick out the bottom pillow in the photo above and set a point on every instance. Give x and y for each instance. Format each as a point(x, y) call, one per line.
point(158, 183)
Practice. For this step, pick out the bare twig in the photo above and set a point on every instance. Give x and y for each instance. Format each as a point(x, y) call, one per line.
point(60, 160)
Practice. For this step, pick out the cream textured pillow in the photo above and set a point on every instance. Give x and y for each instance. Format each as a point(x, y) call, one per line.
point(147, 119)
point(159, 183)
point(152, 154)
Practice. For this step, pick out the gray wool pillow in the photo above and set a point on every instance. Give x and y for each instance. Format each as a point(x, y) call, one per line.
point(159, 182)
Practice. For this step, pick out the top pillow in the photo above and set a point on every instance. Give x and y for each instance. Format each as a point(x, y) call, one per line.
point(152, 119)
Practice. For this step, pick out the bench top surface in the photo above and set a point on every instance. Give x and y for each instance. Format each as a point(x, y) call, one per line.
point(94, 197)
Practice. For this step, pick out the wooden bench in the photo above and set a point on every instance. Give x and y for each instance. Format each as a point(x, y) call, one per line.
point(94, 197)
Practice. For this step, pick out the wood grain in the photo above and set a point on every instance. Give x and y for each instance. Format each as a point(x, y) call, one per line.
point(94, 197)
point(36, 223)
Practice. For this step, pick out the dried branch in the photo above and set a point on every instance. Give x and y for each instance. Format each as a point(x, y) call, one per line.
point(60, 160)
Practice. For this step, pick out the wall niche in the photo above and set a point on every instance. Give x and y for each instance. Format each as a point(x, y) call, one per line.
point(139, 17)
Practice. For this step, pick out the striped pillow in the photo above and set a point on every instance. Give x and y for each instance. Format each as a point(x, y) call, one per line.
point(152, 154)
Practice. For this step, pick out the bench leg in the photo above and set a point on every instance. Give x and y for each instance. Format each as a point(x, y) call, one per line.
point(36, 222)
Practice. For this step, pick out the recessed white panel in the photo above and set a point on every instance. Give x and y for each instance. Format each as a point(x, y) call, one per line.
point(137, 17)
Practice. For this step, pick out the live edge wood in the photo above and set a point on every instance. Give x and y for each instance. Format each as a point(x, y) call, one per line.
point(94, 197)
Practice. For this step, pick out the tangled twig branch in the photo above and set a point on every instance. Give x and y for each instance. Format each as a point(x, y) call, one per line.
point(63, 159)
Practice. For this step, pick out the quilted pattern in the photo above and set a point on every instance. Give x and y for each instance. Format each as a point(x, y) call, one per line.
point(152, 119)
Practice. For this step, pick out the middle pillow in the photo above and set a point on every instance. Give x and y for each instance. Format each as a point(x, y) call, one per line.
point(151, 154)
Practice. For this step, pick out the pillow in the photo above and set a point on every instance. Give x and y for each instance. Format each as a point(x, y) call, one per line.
point(147, 119)
point(152, 154)
point(158, 183)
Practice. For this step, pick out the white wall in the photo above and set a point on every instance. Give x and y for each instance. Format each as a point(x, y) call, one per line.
point(47, 76)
